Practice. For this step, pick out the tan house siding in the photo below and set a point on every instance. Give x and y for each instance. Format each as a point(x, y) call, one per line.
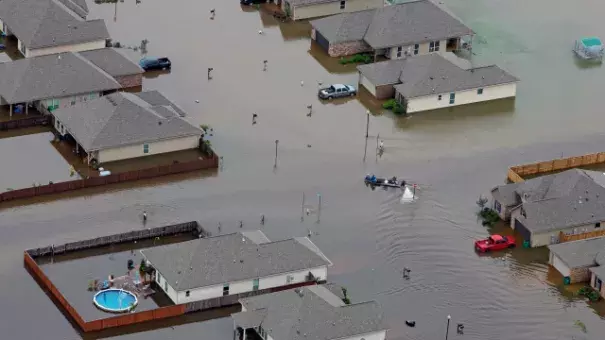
point(330, 8)
point(137, 150)
point(87, 46)
point(593, 284)
point(423, 48)
point(132, 80)
point(543, 239)
point(348, 48)
point(432, 102)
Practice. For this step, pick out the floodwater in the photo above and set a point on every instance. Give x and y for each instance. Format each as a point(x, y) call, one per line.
point(453, 156)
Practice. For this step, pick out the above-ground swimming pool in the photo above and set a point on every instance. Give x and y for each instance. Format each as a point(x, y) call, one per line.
point(115, 300)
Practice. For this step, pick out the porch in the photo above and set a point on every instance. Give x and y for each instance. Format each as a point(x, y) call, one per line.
point(247, 326)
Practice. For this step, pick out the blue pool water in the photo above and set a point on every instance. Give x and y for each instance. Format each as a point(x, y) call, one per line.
point(115, 300)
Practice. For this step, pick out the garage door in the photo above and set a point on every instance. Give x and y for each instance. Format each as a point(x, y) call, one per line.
point(368, 85)
point(560, 266)
point(322, 41)
point(520, 228)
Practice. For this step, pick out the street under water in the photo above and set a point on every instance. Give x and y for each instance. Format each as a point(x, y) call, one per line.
point(452, 155)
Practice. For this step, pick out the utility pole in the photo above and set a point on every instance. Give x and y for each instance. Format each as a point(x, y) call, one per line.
point(302, 208)
point(318, 206)
point(447, 331)
point(367, 123)
point(115, 15)
point(276, 143)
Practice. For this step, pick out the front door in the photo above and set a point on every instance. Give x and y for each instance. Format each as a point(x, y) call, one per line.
point(599, 284)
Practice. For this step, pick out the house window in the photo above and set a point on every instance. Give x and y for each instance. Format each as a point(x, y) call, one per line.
point(343, 4)
point(92, 96)
point(452, 98)
point(434, 46)
point(187, 293)
point(166, 286)
point(439, 97)
point(255, 284)
point(23, 48)
point(479, 91)
point(225, 289)
point(72, 101)
point(497, 206)
point(416, 49)
point(399, 50)
point(289, 279)
point(145, 148)
point(597, 225)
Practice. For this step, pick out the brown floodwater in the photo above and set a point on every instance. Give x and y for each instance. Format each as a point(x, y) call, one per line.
point(453, 155)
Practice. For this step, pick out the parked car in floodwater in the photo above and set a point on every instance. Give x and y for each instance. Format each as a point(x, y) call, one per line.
point(337, 91)
point(149, 64)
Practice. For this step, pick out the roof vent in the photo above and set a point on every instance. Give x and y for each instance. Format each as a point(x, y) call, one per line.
point(431, 78)
point(159, 123)
point(482, 77)
point(190, 267)
point(298, 331)
point(241, 261)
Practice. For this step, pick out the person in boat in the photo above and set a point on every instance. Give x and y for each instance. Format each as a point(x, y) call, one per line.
point(394, 180)
point(381, 145)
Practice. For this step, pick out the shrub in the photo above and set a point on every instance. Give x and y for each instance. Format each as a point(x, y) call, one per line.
point(356, 59)
point(389, 104)
point(489, 217)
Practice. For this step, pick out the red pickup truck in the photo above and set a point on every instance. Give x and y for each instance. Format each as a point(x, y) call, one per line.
point(494, 243)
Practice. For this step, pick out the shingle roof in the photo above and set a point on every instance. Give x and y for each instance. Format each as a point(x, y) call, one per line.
point(568, 199)
point(384, 72)
point(345, 26)
point(228, 258)
point(51, 76)
point(310, 313)
point(78, 6)
point(112, 61)
point(581, 253)
point(431, 73)
point(121, 119)
point(506, 195)
point(46, 23)
point(396, 25)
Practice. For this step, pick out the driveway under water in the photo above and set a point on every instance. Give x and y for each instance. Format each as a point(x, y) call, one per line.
point(453, 156)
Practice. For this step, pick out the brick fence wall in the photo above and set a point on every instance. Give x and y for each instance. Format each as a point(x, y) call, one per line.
point(25, 122)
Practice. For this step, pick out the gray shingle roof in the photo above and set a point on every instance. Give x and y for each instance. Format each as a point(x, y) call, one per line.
point(345, 26)
point(228, 258)
point(46, 23)
point(430, 74)
point(112, 61)
point(506, 195)
point(581, 253)
point(51, 76)
point(384, 72)
point(396, 25)
point(310, 313)
point(78, 6)
point(121, 119)
point(568, 199)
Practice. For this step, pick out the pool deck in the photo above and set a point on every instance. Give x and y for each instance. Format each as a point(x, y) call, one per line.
point(73, 279)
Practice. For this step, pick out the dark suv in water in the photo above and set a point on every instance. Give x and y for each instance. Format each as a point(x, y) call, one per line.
point(149, 64)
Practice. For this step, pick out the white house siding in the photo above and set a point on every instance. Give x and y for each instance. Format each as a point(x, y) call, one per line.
point(137, 150)
point(367, 84)
point(369, 336)
point(161, 281)
point(87, 46)
point(432, 102)
point(209, 292)
point(63, 102)
point(330, 8)
point(423, 48)
point(559, 265)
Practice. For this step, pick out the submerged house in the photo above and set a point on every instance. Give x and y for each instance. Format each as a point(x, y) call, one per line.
point(539, 209)
point(428, 82)
point(126, 125)
point(53, 81)
point(305, 9)
point(44, 27)
point(396, 31)
point(311, 312)
point(234, 264)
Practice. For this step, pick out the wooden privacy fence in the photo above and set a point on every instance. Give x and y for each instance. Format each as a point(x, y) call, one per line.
point(516, 173)
point(24, 122)
point(575, 237)
point(142, 316)
point(53, 188)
